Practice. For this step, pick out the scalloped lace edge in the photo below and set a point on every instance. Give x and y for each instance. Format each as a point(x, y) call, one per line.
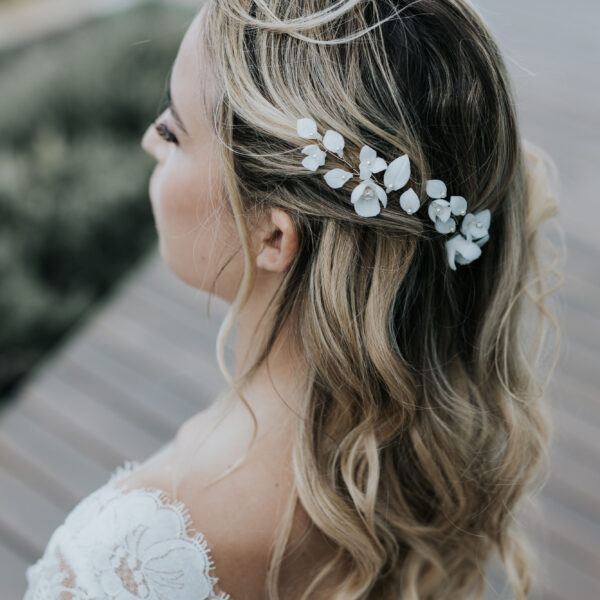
point(180, 508)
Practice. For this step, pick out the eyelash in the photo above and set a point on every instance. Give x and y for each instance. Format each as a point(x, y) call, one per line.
point(166, 133)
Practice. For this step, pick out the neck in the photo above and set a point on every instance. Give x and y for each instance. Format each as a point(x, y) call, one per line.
point(275, 390)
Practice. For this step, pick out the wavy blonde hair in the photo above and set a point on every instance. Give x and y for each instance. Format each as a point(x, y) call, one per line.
point(424, 424)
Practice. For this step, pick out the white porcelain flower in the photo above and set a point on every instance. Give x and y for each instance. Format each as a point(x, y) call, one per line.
point(336, 178)
point(458, 205)
point(462, 251)
point(481, 241)
point(315, 158)
point(436, 188)
point(448, 226)
point(334, 142)
point(307, 128)
point(439, 210)
point(397, 173)
point(366, 197)
point(475, 226)
point(370, 163)
point(409, 201)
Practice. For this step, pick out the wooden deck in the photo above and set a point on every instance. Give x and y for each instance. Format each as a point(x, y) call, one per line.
point(120, 386)
point(116, 390)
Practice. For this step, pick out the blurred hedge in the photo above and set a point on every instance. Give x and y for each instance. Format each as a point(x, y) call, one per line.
point(74, 208)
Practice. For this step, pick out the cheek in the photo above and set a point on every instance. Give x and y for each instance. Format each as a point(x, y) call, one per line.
point(195, 233)
point(179, 200)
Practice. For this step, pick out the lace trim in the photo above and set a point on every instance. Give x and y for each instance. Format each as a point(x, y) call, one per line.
point(191, 534)
point(58, 574)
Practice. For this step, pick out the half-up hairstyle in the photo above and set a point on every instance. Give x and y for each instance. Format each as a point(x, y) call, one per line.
point(424, 424)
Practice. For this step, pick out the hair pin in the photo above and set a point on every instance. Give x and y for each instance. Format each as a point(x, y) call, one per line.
point(368, 197)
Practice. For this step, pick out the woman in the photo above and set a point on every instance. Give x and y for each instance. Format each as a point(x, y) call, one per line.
point(350, 177)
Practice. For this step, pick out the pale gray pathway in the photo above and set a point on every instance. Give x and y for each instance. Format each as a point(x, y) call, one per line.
point(119, 387)
point(23, 21)
point(116, 390)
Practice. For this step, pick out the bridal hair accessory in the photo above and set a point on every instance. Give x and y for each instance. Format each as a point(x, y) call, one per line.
point(368, 196)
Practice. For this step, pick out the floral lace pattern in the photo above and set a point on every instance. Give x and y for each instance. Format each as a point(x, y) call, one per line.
point(123, 544)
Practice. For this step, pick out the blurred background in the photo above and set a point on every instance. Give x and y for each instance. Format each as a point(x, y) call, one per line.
point(73, 180)
point(104, 353)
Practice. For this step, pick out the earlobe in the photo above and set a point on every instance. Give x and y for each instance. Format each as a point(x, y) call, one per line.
point(278, 243)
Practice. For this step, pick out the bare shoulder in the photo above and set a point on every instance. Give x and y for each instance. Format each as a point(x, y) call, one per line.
point(239, 514)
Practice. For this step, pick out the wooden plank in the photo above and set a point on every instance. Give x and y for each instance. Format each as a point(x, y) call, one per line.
point(13, 567)
point(580, 326)
point(27, 519)
point(576, 438)
point(582, 295)
point(76, 416)
point(567, 534)
point(581, 274)
point(212, 310)
point(565, 580)
point(69, 463)
point(554, 579)
point(179, 302)
point(46, 411)
point(574, 486)
point(575, 396)
point(36, 472)
point(188, 375)
point(113, 364)
point(497, 587)
point(560, 535)
point(108, 381)
point(582, 365)
point(183, 328)
point(159, 277)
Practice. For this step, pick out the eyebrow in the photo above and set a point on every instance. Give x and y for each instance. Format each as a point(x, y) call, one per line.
point(174, 110)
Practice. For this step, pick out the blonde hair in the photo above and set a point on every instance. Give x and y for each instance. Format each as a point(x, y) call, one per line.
point(424, 424)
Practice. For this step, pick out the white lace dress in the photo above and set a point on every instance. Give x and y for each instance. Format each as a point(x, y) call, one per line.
point(125, 545)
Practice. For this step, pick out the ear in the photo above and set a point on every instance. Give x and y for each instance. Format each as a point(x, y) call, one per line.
point(278, 242)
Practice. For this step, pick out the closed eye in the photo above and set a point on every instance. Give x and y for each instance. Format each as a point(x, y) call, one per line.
point(166, 133)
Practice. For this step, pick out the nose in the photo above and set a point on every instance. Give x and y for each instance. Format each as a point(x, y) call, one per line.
point(153, 144)
point(149, 140)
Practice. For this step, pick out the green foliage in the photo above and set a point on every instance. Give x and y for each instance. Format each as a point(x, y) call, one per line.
point(74, 208)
